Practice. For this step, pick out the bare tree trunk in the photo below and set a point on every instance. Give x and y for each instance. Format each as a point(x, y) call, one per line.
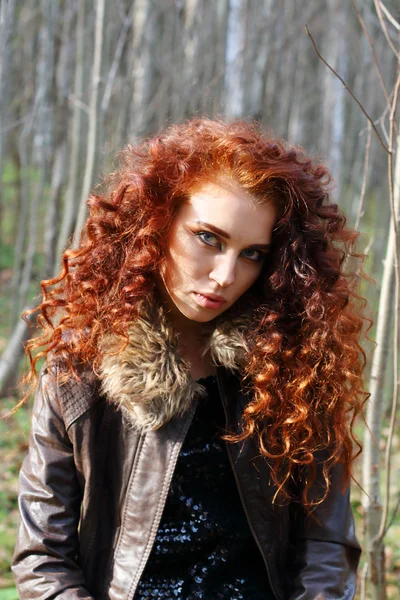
point(150, 60)
point(205, 62)
point(122, 127)
point(274, 69)
point(27, 188)
point(7, 15)
point(235, 40)
point(334, 93)
point(257, 51)
point(372, 501)
point(172, 26)
point(43, 136)
point(10, 358)
point(51, 231)
point(94, 111)
point(286, 74)
point(63, 76)
point(71, 202)
point(191, 41)
point(221, 25)
point(126, 26)
point(296, 119)
point(22, 220)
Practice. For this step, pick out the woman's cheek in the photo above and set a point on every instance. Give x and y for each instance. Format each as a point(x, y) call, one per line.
point(249, 274)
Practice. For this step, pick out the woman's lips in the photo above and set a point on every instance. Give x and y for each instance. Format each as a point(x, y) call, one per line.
point(208, 302)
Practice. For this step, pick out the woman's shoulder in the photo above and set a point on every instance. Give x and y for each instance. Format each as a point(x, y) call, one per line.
point(75, 391)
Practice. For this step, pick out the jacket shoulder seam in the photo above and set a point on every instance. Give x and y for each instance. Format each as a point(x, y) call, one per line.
point(75, 397)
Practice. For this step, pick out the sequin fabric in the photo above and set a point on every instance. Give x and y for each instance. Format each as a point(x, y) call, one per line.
point(204, 548)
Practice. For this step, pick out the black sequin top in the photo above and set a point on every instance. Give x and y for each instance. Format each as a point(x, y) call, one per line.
point(204, 547)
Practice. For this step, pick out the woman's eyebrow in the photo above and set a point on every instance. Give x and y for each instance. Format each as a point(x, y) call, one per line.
point(226, 235)
point(214, 229)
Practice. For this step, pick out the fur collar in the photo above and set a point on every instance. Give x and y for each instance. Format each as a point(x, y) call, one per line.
point(149, 380)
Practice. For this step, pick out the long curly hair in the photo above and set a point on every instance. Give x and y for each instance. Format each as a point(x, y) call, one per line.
point(306, 362)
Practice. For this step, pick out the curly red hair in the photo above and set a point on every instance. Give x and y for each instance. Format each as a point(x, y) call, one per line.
point(306, 362)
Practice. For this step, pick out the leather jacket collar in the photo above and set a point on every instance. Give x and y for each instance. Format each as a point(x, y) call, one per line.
point(149, 380)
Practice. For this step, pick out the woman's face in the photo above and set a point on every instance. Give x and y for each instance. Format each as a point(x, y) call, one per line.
point(217, 245)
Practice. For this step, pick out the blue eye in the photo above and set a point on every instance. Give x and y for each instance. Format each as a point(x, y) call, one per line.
point(254, 255)
point(208, 238)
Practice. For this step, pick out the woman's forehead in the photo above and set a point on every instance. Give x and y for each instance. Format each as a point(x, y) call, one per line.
point(231, 209)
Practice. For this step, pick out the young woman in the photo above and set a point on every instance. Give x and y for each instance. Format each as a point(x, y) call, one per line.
point(192, 426)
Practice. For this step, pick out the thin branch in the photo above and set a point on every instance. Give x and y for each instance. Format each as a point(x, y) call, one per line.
point(15, 124)
point(374, 56)
point(365, 177)
point(394, 514)
point(120, 10)
point(380, 122)
point(394, 210)
point(382, 143)
point(74, 100)
point(360, 487)
point(384, 28)
point(390, 17)
point(126, 25)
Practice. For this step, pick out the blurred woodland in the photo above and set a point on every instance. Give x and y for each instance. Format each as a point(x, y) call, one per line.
point(80, 79)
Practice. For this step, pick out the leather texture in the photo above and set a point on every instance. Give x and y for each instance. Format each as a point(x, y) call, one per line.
point(92, 491)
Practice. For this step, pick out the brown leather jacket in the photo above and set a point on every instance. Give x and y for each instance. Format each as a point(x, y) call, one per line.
point(93, 488)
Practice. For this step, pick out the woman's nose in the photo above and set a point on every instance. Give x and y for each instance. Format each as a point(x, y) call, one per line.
point(224, 271)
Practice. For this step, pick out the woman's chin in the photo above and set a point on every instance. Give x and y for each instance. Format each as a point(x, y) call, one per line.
point(199, 315)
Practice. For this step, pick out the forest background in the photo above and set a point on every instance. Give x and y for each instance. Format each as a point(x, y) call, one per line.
point(80, 79)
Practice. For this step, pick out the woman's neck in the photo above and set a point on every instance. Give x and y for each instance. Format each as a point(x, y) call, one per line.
point(193, 339)
point(200, 362)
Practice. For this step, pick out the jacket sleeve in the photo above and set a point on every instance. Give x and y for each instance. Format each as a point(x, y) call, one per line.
point(327, 552)
point(44, 562)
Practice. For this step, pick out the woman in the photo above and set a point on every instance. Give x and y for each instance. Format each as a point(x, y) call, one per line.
point(192, 427)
